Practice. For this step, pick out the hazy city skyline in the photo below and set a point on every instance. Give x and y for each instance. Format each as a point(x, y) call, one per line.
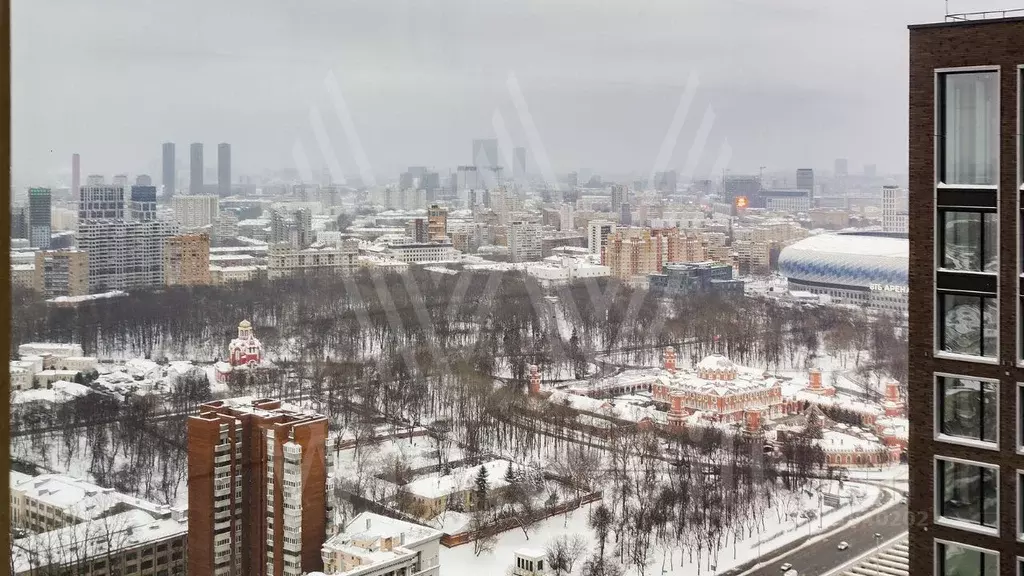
point(796, 83)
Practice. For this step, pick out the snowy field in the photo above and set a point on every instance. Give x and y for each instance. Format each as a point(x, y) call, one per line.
point(461, 560)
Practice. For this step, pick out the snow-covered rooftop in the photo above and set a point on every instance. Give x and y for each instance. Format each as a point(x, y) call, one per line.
point(122, 531)
point(460, 479)
point(78, 498)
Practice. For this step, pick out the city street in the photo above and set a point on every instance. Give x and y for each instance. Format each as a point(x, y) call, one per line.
point(822, 557)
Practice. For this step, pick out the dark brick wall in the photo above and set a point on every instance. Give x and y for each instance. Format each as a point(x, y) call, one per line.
point(1000, 43)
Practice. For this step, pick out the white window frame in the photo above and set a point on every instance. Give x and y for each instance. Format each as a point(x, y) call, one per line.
point(1019, 522)
point(1018, 413)
point(937, 434)
point(937, 111)
point(937, 497)
point(938, 542)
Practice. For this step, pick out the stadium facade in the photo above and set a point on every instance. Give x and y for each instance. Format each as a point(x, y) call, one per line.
point(866, 269)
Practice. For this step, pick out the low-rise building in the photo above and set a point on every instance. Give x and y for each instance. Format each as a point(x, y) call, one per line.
point(52, 501)
point(50, 349)
point(419, 253)
point(130, 543)
point(432, 494)
point(286, 260)
point(564, 269)
point(221, 275)
point(375, 545)
point(23, 276)
point(701, 277)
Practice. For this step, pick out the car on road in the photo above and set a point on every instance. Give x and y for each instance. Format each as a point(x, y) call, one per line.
point(790, 573)
point(785, 567)
point(842, 546)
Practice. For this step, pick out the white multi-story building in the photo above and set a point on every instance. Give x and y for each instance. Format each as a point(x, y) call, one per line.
point(524, 241)
point(566, 217)
point(124, 254)
point(895, 210)
point(52, 501)
point(60, 350)
point(565, 269)
point(285, 260)
point(421, 253)
point(131, 543)
point(374, 545)
point(598, 232)
point(194, 212)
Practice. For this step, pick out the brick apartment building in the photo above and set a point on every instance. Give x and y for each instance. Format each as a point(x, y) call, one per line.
point(966, 373)
point(187, 260)
point(257, 477)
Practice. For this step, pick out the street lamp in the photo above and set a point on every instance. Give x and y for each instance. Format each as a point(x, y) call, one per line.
point(878, 543)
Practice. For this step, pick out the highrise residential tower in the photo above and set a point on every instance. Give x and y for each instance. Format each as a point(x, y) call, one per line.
point(39, 217)
point(519, 163)
point(223, 169)
point(76, 176)
point(805, 181)
point(257, 487)
point(966, 398)
point(195, 167)
point(169, 170)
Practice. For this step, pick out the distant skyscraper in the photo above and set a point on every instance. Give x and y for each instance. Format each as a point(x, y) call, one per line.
point(665, 182)
point(626, 214)
point(519, 163)
point(143, 180)
point(805, 180)
point(76, 176)
point(224, 169)
point(143, 203)
point(169, 170)
point(94, 180)
point(195, 182)
point(841, 167)
point(741, 186)
point(618, 197)
point(120, 180)
point(573, 180)
point(101, 203)
point(39, 229)
point(485, 153)
point(19, 221)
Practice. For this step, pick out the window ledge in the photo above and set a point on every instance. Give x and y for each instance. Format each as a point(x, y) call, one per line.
point(967, 526)
point(943, 185)
point(973, 443)
point(965, 358)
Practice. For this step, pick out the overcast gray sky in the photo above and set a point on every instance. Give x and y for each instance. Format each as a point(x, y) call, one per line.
point(791, 82)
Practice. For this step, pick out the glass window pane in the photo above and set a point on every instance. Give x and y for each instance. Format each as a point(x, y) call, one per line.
point(963, 561)
point(968, 408)
point(961, 324)
point(971, 128)
point(968, 493)
point(970, 241)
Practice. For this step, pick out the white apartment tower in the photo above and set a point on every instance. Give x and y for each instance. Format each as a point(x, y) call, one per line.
point(524, 242)
point(895, 209)
point(598, 232)
point(194, 212)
